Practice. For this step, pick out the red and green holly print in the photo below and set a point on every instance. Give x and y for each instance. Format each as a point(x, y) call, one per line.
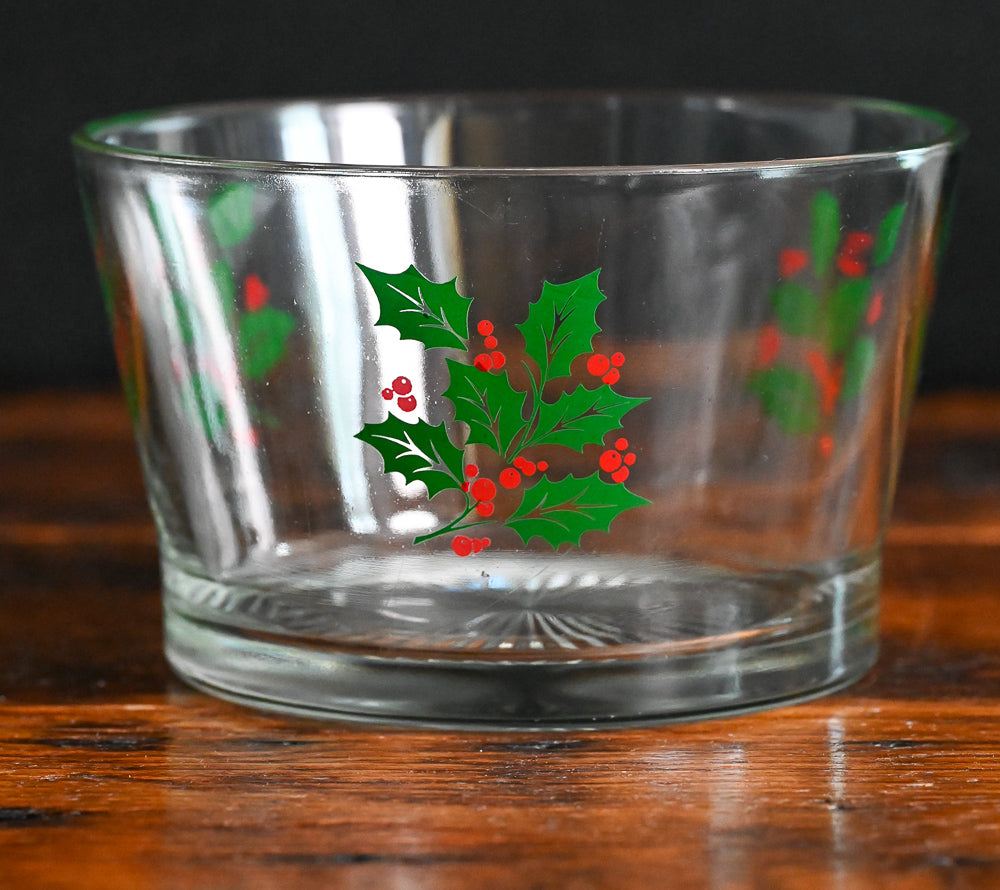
point(516, 424)
point(261, 330)
point(819, 352)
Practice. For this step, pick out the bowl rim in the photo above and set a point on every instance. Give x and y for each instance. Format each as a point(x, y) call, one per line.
point(91, 138)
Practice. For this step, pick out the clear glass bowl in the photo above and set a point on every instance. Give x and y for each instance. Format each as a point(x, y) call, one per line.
point(520, 410)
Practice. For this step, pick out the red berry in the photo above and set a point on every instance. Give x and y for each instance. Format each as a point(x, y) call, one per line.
point(461, 545)
point(519, 462)
point(499, 359)
point(528, 468)
point(490, 342)
point(620, 475)
point(610, 461)
point(483, 362)
point(598, 364)
point(402, 386)
point(406, 403)
point(255, 293)
point(485, 508)
point(856, 243)
point(850, 266)
point(621, 444)
point(618, 359)
point(485, 328)
point(874, 309)
point(477, 544)
point(791, 262)
point(612, 377)
point(542, 465)
point(483, 490)
point(465, 486)
point(629, 458)
point(768, 345)
point(471, 470)
point(387, 394)
point(828, 377)
point(510, 478)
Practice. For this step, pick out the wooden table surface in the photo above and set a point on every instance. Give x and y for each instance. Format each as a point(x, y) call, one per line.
point(113, 774)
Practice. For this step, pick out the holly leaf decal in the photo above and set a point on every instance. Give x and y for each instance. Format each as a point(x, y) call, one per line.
point(788, 396)
point(561, 512)
point(561, 324)
point(824, 233)
point(433, 314)
point(488, 403)
point(846, 309)
point(262, 338)
point(230, 213)
point(888, 233)
point(418, 451)
point(797, 309)
point(225, 284)
point(582, 416)
point(858, 366)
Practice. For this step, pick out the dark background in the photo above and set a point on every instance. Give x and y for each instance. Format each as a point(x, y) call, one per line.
point(67, 62)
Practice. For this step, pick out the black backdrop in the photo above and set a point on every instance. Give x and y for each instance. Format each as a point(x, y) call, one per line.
point(66, 62)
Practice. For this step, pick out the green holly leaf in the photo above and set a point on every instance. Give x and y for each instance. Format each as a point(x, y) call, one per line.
point(789, 397)
point(561, 325)
point(888, 233)
point(263, 338)
point(797, 309)
point(847, 307)
point(858, 367)
point(561, 512)
point(580, 417)
point(225, 284)
point(230, 213)
point(824, 234)
point(187, 325)
point(488, 403)
point(418, 451)
point(203, 399)
point(433, 314)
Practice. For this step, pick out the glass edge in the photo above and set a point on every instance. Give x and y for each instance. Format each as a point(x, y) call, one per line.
point(85, 140)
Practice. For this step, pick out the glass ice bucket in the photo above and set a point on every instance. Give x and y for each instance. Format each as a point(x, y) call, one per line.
point(530, 410)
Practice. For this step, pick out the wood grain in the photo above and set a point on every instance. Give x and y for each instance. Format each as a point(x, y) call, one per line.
point(115, 775)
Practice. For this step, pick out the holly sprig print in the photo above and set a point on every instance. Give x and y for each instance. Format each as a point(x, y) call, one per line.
point(261, 330)
point(820, 350)
point(509, 420)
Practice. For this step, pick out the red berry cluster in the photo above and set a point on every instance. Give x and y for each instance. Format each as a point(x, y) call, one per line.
point(851, 259)
point(483, 490)
point(511, 477)
point(599, 365)
point(493, 360)
point(463, 545)
point(617, 460)
point(403, 388)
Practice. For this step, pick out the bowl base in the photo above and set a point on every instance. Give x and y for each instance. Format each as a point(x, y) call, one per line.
point(711, 643)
